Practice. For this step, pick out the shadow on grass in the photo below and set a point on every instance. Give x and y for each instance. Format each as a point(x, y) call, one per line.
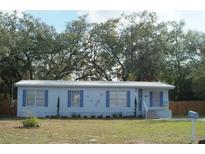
point(22, 127)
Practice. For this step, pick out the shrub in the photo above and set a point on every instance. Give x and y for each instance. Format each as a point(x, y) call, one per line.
point(107, 116)
point(100, 116)
point(93, 116)
point(117, 115)
point(63, 117)
point(140, 116)
point(31, 122)
point(129, 117)
point(74, 115)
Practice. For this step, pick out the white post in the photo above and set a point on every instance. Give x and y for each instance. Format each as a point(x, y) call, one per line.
point(193, 130)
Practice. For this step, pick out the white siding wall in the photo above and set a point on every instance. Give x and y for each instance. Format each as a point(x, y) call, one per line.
point(40, 111)
point(94, 102)
point(146, 96)
point(164, 111)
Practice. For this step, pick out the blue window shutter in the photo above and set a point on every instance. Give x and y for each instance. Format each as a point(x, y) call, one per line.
point(69, 98)
point(46, 98)
point(150, 96)
point(24, 98)
point(161, 98)
point(107, 99)
point(81, 98)
point(128, 98)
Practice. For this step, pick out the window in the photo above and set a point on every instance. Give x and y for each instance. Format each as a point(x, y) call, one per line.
point(155, 98)
point(35, 97)
point(30, 98)
point(40, 97)
point(75, 98)
point(118, 98)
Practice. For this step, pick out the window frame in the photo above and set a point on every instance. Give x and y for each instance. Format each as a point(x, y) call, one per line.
point(154, 98)
point(117, 104)
point(71, 99)
point(35, 97)
point(26, 103)
point(44, 98)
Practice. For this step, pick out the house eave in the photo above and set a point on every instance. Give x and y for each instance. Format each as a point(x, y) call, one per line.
point(93, 84)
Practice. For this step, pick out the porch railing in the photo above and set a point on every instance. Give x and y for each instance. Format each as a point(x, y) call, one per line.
point(146, 109)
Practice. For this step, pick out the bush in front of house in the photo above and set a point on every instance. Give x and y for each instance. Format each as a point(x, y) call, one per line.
point(31, 122)
point(75, 115)
point(92, 116)
point(107, 116)
point(100, 116)
point(117, 115)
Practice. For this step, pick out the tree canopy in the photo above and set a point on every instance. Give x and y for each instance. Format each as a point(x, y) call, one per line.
point(137, 47)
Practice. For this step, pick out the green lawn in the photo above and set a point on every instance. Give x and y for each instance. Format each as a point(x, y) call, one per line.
point(100, 131)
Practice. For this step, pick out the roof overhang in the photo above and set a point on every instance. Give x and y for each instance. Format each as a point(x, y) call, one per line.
point(103, 84)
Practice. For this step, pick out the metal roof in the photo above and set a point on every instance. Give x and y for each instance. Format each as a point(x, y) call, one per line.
point(66, 83)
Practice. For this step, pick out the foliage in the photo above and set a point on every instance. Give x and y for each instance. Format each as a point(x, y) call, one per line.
point(117, 115)
point(107, 116)
point(136, 47)
point(100, 116)
point(31, 122)
point(93, 116)
point(75, 115)
point(199, 82)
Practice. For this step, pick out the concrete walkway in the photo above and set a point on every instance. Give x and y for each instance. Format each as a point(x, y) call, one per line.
point(179, 119)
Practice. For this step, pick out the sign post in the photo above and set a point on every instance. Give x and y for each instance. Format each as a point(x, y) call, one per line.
point(193, 130)
point(193, 115)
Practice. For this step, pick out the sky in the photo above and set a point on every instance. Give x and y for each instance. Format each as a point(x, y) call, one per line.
point(194, 20)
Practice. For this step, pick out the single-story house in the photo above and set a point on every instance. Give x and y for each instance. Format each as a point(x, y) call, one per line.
point(93, 98)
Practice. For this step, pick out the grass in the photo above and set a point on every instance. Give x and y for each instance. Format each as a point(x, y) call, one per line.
point(99, 131)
